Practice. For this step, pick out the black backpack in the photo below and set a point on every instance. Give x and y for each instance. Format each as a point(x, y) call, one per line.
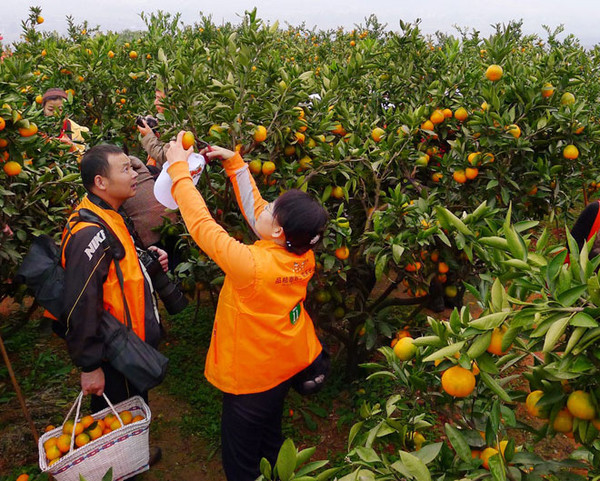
point(42, 272)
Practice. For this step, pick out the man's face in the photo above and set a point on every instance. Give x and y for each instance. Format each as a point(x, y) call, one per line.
point(159, 95)
point(121, 180)
point(53, 107)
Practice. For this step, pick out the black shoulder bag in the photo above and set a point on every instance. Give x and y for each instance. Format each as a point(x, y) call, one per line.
point(41, 270)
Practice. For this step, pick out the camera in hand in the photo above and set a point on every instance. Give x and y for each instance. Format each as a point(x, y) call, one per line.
point(173, 299)
point(150, 122)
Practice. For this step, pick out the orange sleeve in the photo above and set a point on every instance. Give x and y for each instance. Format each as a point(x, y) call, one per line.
point(248, 197)
point(232, 256)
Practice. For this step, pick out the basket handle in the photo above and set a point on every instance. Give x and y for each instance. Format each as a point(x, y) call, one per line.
point(77, 404)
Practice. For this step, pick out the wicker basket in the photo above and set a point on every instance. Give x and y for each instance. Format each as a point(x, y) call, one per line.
point(126, 449)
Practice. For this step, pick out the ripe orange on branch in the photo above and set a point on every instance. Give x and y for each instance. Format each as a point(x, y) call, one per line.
point(437, 117)
point(188, 140)
point(485, 456)
point(342, 253)
point(458, 381)
point(260, 134)
point(12, 168)
point(377, 134)
point(494, 73)
point(547, 90)
point(570, 152)
point(567, 99)
point(404, 349)
point(268, 168)
point(495, 346)
point(459, 176)
point(461, 114)
point(580, 405)
point(563, 423)
point(514, 130)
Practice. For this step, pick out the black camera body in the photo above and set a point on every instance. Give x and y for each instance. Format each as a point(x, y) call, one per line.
point(152, 122)
point(172, 297)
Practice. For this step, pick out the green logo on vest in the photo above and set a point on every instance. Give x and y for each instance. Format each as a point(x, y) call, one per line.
point(295, 314)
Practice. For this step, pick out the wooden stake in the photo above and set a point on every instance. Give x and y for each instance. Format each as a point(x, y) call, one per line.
point(18, 391)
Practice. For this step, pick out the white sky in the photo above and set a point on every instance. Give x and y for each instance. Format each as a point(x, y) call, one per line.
point(579, 18)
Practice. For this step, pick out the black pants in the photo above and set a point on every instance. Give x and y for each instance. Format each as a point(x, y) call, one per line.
point(116, 388)
point(251, 430)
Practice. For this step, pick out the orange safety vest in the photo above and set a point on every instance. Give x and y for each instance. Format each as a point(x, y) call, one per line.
point(261, 340)
point(132, 272)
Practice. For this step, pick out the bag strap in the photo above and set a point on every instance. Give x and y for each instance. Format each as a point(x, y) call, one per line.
point(86, 215)
point(121, 283)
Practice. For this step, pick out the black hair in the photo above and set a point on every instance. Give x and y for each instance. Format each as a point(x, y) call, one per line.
point(95, 162)
point(54, 97)
point(302, 218)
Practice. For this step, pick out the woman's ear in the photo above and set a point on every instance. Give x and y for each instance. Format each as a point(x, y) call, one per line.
point(277, 231)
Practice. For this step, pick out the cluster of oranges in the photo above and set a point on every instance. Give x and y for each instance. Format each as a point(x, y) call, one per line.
point(475, 160)
point(579, 406)
point(86, 430)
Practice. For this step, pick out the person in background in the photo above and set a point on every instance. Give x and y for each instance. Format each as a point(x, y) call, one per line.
point(70, 132)
point(262, 335)
point(154, 147)
point(586, 225)
point(144, 210)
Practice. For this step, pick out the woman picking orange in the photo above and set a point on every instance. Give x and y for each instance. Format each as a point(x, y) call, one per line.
point(262, 336)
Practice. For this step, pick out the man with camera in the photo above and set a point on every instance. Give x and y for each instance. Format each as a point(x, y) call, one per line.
point(104, 276)
point(148, 128)
point(144, 210)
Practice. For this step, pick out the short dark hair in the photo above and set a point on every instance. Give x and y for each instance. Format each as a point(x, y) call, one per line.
point(95, 162)
point(53, 94)
point(302, 218)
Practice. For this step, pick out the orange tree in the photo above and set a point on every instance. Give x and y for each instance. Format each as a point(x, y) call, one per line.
point(452, 410)
point(39, 177)
point(381, 126)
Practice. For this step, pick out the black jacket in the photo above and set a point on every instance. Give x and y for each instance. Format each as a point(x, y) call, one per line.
point(85, 272)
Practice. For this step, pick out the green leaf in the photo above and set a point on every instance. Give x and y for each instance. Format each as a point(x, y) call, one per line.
point(448, 219)
point(458, 442)
point(516, 246)
point(327, 474)
point(479, 345)
point(447, 351)
point(494, 241)
point(497, 468)
point(498, 296)
point(286, 460)
point(265, 468)
point(570, 296)
point(415, 466)
point(368, 455)
point(556, 330)
point(353, 432)
point(304, 456)
point(310, 467)
point(574, 339)
point(494, 386)
point(581, 319)
point(490, 321)
point(397, 252)
point(555, 266)
point(429, 452)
